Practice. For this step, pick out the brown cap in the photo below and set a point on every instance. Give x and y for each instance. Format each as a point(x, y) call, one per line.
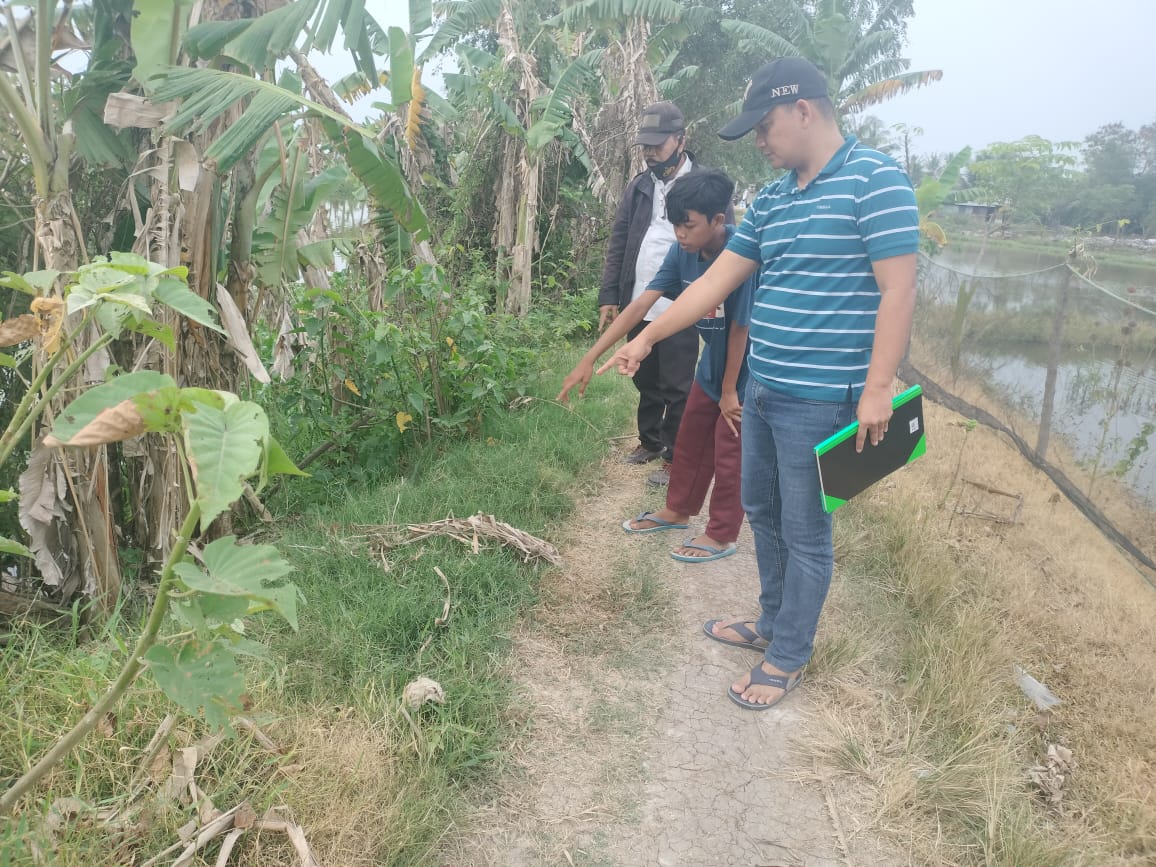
point(658, 122)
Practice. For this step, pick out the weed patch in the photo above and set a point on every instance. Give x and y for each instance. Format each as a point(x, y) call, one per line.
point(928, 615)
point(366, 785)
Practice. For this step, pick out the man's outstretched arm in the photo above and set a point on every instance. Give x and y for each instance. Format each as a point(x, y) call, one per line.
point(619, 327)
point(725, 274)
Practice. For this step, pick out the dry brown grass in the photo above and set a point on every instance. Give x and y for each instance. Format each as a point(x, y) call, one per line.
point(345, 779)
point(927, 615)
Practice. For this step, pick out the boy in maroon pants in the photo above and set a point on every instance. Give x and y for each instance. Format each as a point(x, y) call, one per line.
point(708, 444)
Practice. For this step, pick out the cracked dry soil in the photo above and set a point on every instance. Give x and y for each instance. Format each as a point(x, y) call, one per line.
point(630, 752)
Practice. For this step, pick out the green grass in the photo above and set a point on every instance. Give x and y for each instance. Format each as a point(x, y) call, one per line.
point(365, 632)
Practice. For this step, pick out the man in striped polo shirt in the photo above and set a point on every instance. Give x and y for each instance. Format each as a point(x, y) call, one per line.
point(834, 242)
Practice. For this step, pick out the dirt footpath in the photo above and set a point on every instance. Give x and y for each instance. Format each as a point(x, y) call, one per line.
point(630, 752)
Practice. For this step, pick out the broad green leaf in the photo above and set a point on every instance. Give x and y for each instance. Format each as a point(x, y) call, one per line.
point(276, 463)
point(242, 646)
point(666, 42)
point(80, 297)
point(441, 107)
point(32, 283)
point(275, 238)
point(576, 148)
point(201, 677)
point(420, 16)
point(112, 318)
point(129, 297)
point(506, 116)
point(11, 546)
point(265, 39)
point(42, 281)
point(471, 58)
point(464, 19)
point(253, 572)
point(382, 177)
point(555, 109)
point(101, 278)
point(7, 360)
point(224, 448)
point(610, 12)
point(175, 294)
point(133, 263)
point(86, 407)
point(7, 495)
point(318, 254)
point(206, 94)
point(400, 67)
point(363, 35)
point(207, 39)
point(156, 29)
point(216, 608)
point(96, 142)
point(160, 410)
point(217, 399)
point(150, 328)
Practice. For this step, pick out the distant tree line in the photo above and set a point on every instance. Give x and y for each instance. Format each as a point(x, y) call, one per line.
point(1106, 184)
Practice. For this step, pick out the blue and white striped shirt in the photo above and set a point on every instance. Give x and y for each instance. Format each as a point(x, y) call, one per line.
point(813, 321)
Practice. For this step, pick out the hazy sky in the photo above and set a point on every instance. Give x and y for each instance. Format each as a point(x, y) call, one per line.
point(1011, 68)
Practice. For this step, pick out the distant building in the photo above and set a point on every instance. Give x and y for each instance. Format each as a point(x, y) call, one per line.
point(973, 211)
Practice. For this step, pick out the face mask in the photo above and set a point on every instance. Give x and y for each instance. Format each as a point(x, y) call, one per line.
point(667, 167)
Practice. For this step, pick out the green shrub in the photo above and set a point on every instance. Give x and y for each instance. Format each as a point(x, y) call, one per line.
point(369, 385)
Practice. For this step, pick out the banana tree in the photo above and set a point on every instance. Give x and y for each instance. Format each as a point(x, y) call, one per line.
point(637, 38)
point(856, 43)
point(932, 192)
point(80, 551)
point(531, 93)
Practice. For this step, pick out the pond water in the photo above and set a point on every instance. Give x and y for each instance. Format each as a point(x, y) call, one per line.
point(1104, 413)
point(998, 259)
point(1105, 405)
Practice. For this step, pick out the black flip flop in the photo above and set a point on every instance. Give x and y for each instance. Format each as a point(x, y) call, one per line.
point(752, 638)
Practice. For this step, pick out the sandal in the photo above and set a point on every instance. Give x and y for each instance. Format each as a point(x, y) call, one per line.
point(712, 553)
point(650, 516)
point(761, 678)
point(751, 639)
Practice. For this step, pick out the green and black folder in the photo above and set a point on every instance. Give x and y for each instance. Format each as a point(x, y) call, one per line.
point(843, 472)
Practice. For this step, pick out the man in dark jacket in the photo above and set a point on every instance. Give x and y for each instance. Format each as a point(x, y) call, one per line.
point(639, 240)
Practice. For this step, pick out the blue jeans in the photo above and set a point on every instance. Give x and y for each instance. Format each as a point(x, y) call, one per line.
point(793, 542)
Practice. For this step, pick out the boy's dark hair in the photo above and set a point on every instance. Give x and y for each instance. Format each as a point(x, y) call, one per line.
point(708, 192)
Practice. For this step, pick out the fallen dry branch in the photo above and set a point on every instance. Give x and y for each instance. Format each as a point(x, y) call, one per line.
point(155, 746)
point(383, 537)
point(293, 832)
point(209, 832)
point(16, 605)
point(259, 736)
point(232, 825)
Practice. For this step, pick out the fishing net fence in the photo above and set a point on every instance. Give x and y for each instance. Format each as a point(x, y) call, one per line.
point(1064, 365)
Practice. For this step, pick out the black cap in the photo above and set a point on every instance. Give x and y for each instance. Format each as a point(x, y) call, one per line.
point(784, 80)
point(658, 122)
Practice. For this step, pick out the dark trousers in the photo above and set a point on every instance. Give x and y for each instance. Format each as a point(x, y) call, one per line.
point(663, 381)
point(707, 449)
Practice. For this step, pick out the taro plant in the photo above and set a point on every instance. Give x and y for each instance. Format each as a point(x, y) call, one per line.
point(222, 442)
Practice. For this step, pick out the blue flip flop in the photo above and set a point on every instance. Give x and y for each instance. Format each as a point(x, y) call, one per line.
point(751, 639)
point(761, 678)
point(713, 553)
point(649, 516)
